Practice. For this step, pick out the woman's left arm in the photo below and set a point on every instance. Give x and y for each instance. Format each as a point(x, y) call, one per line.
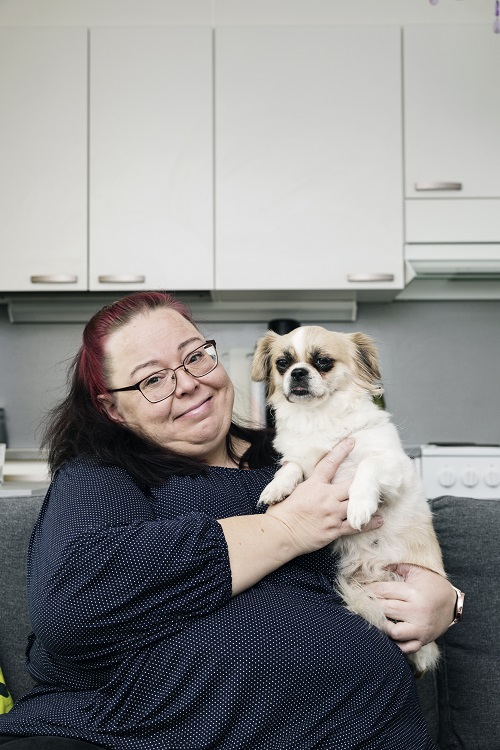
point(418, 608)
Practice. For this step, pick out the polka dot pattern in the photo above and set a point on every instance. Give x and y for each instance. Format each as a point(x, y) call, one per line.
point(139, 645)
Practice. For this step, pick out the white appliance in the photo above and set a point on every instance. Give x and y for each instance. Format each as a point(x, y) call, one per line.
point(462, 470)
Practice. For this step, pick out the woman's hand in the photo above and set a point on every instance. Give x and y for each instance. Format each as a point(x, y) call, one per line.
point(422, 604)
point(310, 518)
point(315, 513)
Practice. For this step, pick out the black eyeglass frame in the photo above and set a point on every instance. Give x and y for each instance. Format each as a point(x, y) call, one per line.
point(137, 386)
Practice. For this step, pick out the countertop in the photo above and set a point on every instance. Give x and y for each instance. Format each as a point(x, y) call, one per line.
point(22, 489)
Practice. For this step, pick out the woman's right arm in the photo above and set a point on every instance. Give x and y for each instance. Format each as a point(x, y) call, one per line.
point(312, 517)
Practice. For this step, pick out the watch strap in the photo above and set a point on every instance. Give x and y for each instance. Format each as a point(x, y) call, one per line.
point(459, 605)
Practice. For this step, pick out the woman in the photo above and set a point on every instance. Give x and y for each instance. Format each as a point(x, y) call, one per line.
point(168, 610)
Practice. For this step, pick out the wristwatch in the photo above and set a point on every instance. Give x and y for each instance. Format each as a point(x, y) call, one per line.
point(459, 605)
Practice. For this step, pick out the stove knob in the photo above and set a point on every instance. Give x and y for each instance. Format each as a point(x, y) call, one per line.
point(446, 478)
point(469, 477)
point(492, 477)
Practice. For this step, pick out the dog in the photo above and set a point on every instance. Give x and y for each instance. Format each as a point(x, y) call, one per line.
point(321, 387)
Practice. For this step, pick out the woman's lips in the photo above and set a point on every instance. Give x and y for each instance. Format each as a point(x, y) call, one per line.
point(196, 409)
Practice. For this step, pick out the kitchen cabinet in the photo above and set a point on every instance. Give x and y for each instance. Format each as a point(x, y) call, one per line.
point(309, 183)
point(151, 171)
point(110, 132)
point(43, 157)
point(451, 126)
point(127, 154)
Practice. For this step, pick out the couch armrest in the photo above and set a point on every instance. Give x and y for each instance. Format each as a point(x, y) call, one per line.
point(461, 700)
point(17, 518)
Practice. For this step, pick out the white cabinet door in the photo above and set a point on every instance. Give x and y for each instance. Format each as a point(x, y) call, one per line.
point(452, 111)
point(43, 158)
point(309, 184)
point(151, 173)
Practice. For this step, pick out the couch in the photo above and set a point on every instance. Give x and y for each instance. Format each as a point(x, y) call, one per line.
point(461, 701)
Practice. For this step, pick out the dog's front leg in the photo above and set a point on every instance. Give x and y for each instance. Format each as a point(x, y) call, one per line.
point(283, 484)
point(365, 491)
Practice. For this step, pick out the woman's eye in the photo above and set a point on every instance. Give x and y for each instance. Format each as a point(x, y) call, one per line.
point(195, 357)
point(154, 380)
point(281, 364)
point(323, 364)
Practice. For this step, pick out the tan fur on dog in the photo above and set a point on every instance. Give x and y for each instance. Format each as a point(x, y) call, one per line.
point(321, 387)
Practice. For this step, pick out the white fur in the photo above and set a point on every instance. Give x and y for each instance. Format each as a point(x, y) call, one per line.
point(338, 404)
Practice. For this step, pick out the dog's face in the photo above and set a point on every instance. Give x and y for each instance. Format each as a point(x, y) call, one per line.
point(312, 363)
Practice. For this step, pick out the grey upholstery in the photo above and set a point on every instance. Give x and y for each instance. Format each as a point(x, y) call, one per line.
point(17, 518)
point(461, 701)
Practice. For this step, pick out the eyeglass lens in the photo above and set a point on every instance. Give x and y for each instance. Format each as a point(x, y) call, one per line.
point(161, 385)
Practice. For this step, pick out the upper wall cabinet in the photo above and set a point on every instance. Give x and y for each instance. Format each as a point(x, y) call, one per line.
point(309, 185)
point(151, 171)
point(43, 157)
point(452, 122)
point(148, 196)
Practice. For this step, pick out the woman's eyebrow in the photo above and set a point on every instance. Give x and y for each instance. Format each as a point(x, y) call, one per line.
point(193, 339)
point(151, 363)
point(157, 363)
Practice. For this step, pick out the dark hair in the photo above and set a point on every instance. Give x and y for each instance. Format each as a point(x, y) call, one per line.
point(78, 427)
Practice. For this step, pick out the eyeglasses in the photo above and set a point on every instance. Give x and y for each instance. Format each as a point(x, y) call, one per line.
point(161, 384)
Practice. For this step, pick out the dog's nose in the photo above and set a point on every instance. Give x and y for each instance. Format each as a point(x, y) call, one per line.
point(299, 373)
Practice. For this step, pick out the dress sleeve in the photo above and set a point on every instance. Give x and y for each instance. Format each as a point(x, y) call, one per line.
point(105, 573)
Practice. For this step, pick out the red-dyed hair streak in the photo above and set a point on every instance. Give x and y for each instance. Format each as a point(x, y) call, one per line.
point(90, 366)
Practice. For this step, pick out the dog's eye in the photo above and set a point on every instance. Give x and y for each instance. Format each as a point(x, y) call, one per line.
point(323, 364)
point(282, 364)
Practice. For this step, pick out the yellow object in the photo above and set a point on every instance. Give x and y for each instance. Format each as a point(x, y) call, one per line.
point(6, 701)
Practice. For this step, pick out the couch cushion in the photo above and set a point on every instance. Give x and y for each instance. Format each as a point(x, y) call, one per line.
point(461, 700)
point(17, 518)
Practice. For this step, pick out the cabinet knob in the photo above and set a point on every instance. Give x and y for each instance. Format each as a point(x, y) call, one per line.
point(123, 278)
point(54, 278)
point(366, 277)
point(429, 186)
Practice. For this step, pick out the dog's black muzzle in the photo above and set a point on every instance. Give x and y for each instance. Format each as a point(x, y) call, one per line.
point(299, 378)
point(299, 375)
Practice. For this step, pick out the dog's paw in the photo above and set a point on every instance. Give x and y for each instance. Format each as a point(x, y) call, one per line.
point(285, 481)
point(361, 508)
point(424, 660)
point(273, 493)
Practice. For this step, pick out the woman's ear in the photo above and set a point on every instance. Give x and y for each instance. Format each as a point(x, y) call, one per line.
point(109, 407)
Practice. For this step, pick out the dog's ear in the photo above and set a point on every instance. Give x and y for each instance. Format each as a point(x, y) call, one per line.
point(261, 363)
point(367, 361)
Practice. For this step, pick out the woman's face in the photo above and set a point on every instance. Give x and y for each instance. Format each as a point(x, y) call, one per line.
point(195, 419)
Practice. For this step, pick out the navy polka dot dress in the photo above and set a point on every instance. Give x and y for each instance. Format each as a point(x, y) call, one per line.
point(139, 645)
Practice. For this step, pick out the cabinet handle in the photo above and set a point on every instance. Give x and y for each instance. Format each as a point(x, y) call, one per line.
point(54, 278)
point(364, 277)
point(438, 186)
point(117, 278)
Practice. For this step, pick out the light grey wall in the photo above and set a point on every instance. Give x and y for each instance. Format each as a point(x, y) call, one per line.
point(440, 366)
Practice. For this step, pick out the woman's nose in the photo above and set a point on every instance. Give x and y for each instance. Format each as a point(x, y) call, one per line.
point(186, 383)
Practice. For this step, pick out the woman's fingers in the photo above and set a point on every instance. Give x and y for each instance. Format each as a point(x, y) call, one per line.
point(419, 607)
point(328, 466)
point(316, 511)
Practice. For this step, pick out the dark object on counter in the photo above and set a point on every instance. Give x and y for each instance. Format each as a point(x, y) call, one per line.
point(280, 326)
point(283, 325)
point(3, 427)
